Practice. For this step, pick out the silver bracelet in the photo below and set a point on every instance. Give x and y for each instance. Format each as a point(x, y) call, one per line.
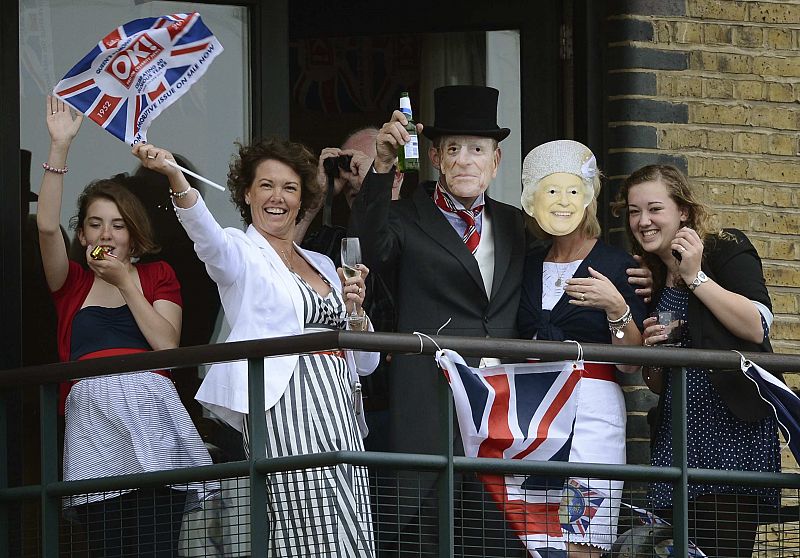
point(617, 326)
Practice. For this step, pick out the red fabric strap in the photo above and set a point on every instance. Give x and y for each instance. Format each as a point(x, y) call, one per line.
point(597, 371)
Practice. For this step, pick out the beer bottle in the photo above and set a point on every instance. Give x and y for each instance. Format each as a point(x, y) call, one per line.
point(408, 154)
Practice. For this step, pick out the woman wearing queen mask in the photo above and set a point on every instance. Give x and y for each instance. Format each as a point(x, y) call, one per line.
point(575, 287)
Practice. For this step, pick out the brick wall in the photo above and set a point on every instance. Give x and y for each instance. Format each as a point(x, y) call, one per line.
point(713, 86)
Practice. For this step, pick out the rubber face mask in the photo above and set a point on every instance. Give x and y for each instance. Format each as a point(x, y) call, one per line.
point(559, 203)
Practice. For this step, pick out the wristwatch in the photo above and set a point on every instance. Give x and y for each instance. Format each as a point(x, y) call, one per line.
point(699, 280)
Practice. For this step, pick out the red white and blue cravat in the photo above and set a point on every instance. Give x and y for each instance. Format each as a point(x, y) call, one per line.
point(471, 236)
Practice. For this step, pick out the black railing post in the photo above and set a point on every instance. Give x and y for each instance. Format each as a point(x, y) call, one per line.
point(257, 422)
point(680, 490)
point(446, 482)
point(5, 535)
point(48, 406)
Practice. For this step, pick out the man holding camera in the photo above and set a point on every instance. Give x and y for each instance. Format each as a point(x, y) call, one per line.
point(346, 167)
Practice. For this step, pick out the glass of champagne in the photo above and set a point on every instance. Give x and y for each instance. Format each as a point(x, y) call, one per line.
point(351, 257)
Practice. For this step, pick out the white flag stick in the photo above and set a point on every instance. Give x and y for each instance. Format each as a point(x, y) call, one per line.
point(197, 176)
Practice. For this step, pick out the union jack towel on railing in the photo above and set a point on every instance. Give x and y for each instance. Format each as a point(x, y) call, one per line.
point(519, 411)
point(137, 71)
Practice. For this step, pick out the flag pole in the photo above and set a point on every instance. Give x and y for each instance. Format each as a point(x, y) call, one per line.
point(194, 174)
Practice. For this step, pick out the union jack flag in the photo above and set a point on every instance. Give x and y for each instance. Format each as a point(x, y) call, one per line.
point(519, 411)
point(137, 71)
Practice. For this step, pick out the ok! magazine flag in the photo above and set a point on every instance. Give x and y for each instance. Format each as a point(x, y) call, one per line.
point(519, 411)
point(137, 71)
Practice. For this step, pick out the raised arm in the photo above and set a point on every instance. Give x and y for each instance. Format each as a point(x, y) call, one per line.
point(223, 257)
point(62, 124)
point(370, 218)
point(153, 158)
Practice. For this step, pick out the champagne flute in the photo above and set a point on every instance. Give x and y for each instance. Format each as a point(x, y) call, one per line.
point(351, 257)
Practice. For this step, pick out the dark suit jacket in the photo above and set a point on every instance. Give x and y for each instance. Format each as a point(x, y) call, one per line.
point(565, 320)
point(437, 278)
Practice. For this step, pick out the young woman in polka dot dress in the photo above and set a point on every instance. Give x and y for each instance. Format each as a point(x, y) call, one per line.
point(714, 281)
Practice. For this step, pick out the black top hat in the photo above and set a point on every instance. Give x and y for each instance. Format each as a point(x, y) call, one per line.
point(465, 110)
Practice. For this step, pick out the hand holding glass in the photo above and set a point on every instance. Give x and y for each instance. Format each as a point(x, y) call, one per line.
point(673, 327)
point(351, 257)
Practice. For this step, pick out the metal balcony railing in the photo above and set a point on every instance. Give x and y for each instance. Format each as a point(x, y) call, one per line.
point(257, 467)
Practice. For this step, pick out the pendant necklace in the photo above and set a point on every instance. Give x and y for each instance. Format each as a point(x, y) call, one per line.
point(560, 279)
point(286, 259)
point(561, 273)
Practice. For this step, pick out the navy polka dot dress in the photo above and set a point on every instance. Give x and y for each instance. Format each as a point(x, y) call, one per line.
point(716, 438)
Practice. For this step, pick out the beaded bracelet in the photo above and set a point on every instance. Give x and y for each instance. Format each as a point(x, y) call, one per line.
point(617, 326)
point(179, 195)
point(50, 168)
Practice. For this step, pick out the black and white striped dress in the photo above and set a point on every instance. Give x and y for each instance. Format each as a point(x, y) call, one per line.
point(323, 511)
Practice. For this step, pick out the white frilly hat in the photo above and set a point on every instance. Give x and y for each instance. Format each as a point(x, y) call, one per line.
point(559, 156)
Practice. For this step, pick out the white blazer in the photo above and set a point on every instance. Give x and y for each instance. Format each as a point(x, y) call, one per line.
point(261, 299)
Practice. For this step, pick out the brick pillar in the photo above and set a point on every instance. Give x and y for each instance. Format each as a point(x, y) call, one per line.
point(713, 86)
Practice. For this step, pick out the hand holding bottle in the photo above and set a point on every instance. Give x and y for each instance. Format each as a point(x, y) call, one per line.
point(408, 154)
point(391, 136)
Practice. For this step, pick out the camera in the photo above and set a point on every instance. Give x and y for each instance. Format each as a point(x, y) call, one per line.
point(333, 164)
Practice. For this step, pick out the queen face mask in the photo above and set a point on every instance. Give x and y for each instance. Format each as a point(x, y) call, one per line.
point(558, 203)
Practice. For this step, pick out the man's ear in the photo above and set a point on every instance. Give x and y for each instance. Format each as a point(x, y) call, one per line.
point(498, 154)
point(435, 158)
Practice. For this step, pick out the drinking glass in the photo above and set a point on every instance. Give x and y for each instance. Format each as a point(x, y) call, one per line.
point(351, 257)
point(673, 327)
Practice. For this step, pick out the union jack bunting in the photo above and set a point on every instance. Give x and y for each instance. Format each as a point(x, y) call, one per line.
point(784, 402)
point(519, 411)
point(137, 71)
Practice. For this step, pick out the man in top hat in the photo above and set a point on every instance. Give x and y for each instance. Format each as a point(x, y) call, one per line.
point(456, 253)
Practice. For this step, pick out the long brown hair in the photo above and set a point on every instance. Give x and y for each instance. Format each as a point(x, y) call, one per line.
point(681, 192)
point(133, 213)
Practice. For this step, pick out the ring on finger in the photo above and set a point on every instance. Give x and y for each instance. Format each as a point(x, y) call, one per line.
point(682, 249)
point(151, 156)
point(583, 297)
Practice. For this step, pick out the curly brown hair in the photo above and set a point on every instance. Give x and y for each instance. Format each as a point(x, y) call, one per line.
point(130, 207)
point(295, 155)
point(681, 192)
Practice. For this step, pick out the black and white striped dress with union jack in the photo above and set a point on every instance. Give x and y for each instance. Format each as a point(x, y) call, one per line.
point(322, 511)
